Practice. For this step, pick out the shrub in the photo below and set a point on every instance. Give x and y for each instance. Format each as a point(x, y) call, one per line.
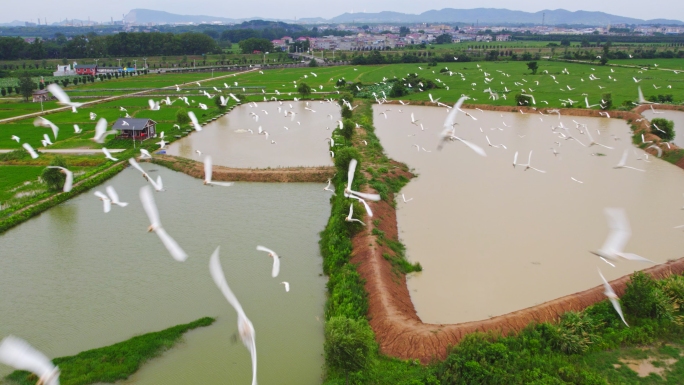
point(347, 128)
point(608, 99)
point(398, 90)
point(523, 100)
point(348, 344)
point(663, 128)
point(574, 333)
point(182, 117)
point(346, 112)
point(53, 177)
point(644, 299)
point(344, 155)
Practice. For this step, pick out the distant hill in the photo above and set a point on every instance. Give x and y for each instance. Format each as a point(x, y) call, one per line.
point(490, 16)
point(144, 16)
point(13, 23)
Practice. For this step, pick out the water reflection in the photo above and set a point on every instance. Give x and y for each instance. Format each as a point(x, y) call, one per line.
point(493, 239)
point(299, 138)
point(75, 278)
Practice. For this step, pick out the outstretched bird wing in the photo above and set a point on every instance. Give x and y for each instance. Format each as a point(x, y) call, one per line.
point(619, 230)
point(18, 354)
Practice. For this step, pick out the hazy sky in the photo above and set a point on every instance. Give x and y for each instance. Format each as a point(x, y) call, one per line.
point(277, 9)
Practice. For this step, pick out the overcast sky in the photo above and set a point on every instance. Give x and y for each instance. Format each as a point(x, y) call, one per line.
point(54, 10)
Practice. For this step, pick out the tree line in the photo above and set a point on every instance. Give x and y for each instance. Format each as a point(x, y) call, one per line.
point(122, 44)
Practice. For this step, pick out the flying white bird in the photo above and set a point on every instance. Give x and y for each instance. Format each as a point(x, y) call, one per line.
point(40, 121)
point(350, 178)
point(287, 286)
point(105, 199)
point(618, 237)
point(349, 218)
point(528, 164)
point(154, 106)
point(406, 200)
point(194, 122)
point(276, 260)
point(93, 116)
point(101, 131)
point(115, 197)
point(327, 188)
point(245, 327)
point(155, 225)
point(69, 181)
point(30, 150)
point(62, 97)
point(14, 137)
point(77, 129)
point(108, 155)
point(623, 161)
point(18, 354)
point(208, 171)
point(144, 154)
point(610, 293)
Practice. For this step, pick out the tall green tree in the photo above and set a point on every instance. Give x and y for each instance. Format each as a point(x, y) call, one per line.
point(26, 85)
point(533, 66)
point(256, 44)
point(304, 89)
point(53, 177)
point(663, 128)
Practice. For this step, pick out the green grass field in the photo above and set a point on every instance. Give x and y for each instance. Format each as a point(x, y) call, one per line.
point(505, 78)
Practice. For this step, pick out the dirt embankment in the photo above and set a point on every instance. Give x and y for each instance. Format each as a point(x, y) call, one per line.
point(402, 334)
point(220, 173)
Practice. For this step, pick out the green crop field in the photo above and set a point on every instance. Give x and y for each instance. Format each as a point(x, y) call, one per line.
point(504, 78)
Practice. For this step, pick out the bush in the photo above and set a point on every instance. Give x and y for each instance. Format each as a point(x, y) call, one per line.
point(348, 344)
point(346, 112)
point(663, 128)
point(344, 155)
point(522, 100)
point(644, 299)
point(398, 90)
point(574, 334)
point(347, 128)
point(304, 89)
point(182, 117)
point(608, 99)
point(313, 63)
point(53, 177)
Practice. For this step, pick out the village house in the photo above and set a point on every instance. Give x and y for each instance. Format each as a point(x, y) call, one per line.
point(86, 69)
point(134, 128)
point(41, 96)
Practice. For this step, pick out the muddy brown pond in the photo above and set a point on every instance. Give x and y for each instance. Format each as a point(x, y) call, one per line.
point(493, 238)
point(233, 140)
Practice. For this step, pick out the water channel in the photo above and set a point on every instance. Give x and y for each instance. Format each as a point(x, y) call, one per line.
point(74, 278)
point(299, 139)
point(494, 239)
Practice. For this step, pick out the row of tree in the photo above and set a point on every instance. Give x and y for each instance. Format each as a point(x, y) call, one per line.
point(122, 44)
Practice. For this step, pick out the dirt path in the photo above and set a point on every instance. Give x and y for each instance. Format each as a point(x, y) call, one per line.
point(220, 173)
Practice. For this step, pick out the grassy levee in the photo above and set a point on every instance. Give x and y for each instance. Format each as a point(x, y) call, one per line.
point(347, 296)
point(591, 346)
point(16, 215)
point(115, 362)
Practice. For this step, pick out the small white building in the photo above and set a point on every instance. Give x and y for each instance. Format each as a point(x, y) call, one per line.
point(64, 70)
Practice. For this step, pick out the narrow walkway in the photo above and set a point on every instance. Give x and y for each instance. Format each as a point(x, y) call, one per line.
point(70, 151)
